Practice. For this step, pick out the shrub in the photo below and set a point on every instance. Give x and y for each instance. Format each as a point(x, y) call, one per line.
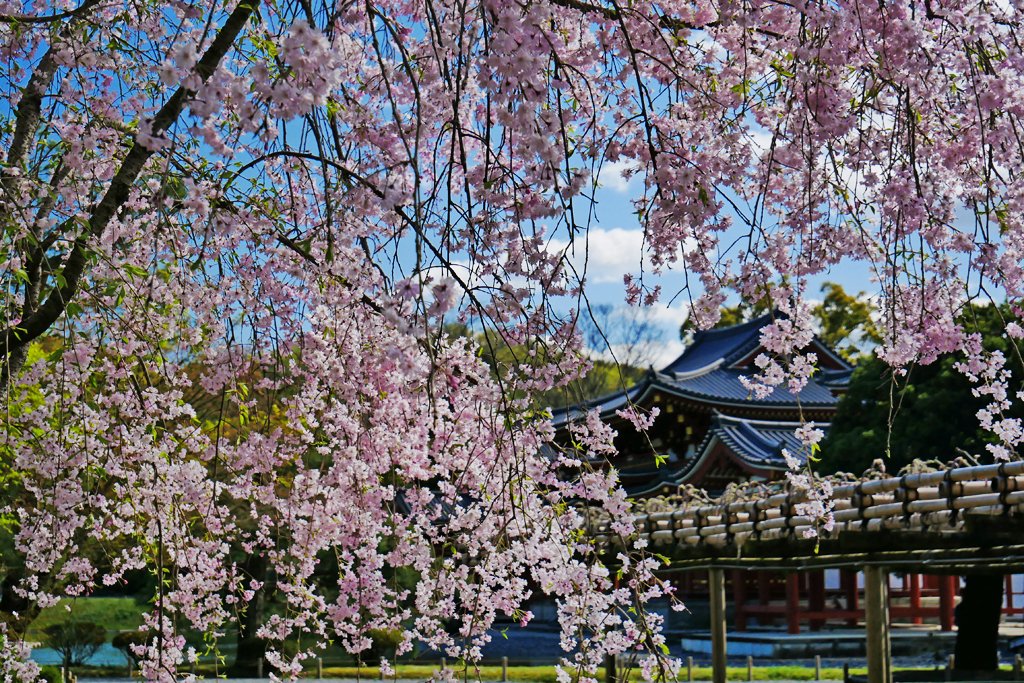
point(385, 641)
point(50, 674)
point(124, 641)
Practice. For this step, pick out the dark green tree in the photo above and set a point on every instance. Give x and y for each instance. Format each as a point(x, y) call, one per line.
point(844, 321)
point(927, 414)
point(930, 413)
point(75, 641)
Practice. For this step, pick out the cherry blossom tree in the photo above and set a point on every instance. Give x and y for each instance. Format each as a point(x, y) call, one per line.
point(233, 234)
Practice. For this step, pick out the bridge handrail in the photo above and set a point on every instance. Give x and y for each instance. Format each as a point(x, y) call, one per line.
point(934, 500)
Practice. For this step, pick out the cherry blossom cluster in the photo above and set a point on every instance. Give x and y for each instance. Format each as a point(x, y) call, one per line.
point(987, 369)
point(240, 241)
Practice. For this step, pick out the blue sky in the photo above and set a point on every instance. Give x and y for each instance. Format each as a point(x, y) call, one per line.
point(615, 248)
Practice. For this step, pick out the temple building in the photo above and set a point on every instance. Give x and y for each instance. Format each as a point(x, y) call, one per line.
point(711, 431)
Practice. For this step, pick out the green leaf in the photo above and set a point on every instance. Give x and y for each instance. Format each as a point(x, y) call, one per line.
point(702, 195)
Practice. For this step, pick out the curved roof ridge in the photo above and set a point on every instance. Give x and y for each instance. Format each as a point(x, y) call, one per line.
point(687, 374)
point(717, 344)
point(753, 322)
point(774, 424)
point(758, 438)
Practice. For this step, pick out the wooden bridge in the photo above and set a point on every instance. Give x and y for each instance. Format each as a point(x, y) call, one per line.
point(948, 522)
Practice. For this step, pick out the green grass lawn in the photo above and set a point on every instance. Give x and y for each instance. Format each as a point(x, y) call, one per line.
point(527, 674)
point(122, 614)
point(546, 674)
point(114, 614)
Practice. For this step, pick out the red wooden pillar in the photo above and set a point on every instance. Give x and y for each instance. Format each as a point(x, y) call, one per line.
point(739, 596)
point(793, 602)
point(764, 587)
point(848, 582)
point(764, 596)
point(915, 598)
point(816, 596)
point(947, 592)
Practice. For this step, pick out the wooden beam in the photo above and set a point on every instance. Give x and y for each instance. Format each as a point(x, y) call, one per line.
point(969, 558)
point(876, 605)
point(716, 591)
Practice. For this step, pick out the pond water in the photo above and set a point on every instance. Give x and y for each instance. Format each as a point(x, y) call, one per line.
point(107, 655)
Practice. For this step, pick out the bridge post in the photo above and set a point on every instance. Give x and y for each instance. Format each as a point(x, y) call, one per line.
point(876, 606)
point(947, 594)
point(793, 602)
point(716, 591)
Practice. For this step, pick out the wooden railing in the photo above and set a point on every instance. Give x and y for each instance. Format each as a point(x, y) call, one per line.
point(933, 502)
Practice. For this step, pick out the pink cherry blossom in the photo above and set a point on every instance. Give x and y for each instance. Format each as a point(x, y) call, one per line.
point(239, 235)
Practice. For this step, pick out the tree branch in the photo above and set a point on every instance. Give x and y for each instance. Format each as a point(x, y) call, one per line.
point(667, 22)
point(48, 18)
point(74, 267)
point(26, 119)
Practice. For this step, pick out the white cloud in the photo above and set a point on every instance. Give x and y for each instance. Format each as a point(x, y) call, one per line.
point(669, 317)
point(760, 138)
point(613, 253)
point(613, 175)
point(606, 254)
point(667, 352)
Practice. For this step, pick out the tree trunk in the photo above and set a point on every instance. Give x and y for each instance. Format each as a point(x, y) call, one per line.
point(250, 658)
point(977, 620)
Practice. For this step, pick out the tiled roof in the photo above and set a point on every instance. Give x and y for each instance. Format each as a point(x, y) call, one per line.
point(704, 374)
point(836, 378)
point(723, 384)
point(727, 344)
point(758, 442)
